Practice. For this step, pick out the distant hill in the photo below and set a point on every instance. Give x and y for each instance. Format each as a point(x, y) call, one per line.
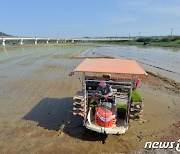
point(4, 34)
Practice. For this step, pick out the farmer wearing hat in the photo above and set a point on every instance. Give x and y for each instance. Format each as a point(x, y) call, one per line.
point(105, 89)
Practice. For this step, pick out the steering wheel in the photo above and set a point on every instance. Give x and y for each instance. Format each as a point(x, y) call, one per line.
point(99, 94)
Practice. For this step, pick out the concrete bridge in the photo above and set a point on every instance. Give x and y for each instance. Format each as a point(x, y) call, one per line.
point(57, 40)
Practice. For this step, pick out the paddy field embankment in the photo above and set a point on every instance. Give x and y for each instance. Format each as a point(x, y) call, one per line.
point(169, 41)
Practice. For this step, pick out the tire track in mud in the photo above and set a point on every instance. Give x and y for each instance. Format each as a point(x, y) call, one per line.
point(49, 93)
point(19, 76)
point(22, 92)
point(52, 75)
point(153, 66)
point(46, 91)
point(63, 74)
point(37, 52)
point(19, 58)
point(53, 78)
point(29, 93)
point(105, 56)
point(159, 68)
point(25, 90)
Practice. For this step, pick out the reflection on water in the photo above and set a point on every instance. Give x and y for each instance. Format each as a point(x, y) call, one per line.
point(165, 61)
point(18, 62)
point(5, 51)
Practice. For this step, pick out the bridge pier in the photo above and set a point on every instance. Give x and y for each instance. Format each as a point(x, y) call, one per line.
point(35, 42)
point(3, 42)
point(21, 42)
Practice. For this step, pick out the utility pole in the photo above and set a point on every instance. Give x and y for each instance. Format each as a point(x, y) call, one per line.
point(139, 34)
point(129, 36)
point(172, 31)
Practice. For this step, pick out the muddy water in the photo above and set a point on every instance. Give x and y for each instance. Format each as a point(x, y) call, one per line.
point(165, 61)
point(36, 103)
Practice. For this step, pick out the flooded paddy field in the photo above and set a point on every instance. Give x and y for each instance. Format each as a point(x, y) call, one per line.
point(36, 101)
point(165, 61)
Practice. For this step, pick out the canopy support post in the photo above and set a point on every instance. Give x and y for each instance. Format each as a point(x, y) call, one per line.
point(85, 100)
point(128, 107)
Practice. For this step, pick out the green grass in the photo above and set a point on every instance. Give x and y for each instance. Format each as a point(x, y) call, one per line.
point(121, 106)
point(135, 96)
point(121, 110)
point(170, 41)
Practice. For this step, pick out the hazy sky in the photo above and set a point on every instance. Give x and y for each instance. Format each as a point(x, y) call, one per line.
point(79, 18)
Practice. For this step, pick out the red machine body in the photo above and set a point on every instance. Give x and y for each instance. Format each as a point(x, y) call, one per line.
point(105, 117)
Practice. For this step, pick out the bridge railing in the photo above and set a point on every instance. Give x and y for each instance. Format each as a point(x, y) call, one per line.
point(57, 40)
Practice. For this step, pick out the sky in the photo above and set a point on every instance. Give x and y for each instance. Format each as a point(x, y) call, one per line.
point(89, 18)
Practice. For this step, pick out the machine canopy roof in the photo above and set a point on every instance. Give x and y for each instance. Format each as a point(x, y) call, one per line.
point(111, 66)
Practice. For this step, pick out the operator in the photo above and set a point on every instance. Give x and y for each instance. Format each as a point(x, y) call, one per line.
point(105, 89)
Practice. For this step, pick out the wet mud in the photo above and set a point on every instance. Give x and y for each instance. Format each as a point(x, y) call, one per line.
point(36, 106)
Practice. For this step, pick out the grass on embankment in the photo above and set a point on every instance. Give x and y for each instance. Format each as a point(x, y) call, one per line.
point(135, 96)
point(164, 42)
